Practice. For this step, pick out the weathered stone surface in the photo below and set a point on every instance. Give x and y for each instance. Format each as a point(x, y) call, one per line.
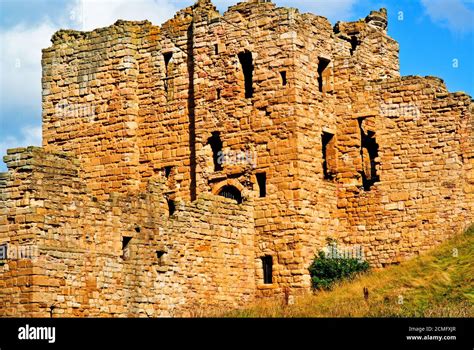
point(121, 208)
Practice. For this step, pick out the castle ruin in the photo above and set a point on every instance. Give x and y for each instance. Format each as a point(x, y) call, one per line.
point(202, 163)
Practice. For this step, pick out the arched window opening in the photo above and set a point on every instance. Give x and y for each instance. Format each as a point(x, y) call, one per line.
point(126, 247)
point(231, 192)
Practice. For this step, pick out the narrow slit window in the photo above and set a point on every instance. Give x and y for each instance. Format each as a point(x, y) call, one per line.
point(329, 155)
point(232, 193)
point(283, 78)
point(171, 207)
point(167, 171)
point(246, 63)
point(216, 145)
point(126, 247)
point(262, 184)
point(322, 72)
point(216, 49)
point(267, 265)
point(218, 91)
point(369, 153)
point(168, 58)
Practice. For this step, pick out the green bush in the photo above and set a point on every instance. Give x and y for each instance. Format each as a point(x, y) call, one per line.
point(325, 271)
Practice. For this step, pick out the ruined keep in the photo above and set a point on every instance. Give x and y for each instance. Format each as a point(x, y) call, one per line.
point(202, 163)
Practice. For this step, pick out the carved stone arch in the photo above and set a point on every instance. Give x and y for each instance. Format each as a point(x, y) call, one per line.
point(230, 188)
point(229, 182)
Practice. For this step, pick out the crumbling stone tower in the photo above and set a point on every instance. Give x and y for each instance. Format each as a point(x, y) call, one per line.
point(203, 163)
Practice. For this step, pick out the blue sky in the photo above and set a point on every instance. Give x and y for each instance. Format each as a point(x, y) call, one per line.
point(436, 38)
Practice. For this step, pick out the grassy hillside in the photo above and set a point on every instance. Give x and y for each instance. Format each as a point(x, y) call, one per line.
point(436, 284)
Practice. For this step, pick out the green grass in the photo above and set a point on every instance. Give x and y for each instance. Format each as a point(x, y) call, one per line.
point(436, 284)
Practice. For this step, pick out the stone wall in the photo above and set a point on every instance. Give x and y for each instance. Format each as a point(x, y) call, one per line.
point(424, 193)
point(145, 117)
point(323, 140)
point(201, 256)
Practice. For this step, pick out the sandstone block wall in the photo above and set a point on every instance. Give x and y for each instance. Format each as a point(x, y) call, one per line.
point(201, 256)
point(322, 140)
point(424, 194)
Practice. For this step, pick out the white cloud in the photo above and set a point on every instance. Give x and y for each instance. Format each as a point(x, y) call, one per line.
point(20, 49)
point(20, 54)
point(30, 135)
point(20, 46)
point(91, 14)
point(453, 14)
point(20, 63)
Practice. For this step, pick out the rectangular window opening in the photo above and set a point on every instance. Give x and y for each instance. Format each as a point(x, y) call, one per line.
point(246, 63)
point(369, 152)
point(167, 56)
point(216, 49)
point(322, 80)
point(171, 207)
point(167, 171)
point(216, 145)
point(267, 264)
point(160, 257)
point(262, 184)
point(283, 78)
point(126, 247)
point(3, 251)
point(329, 155)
